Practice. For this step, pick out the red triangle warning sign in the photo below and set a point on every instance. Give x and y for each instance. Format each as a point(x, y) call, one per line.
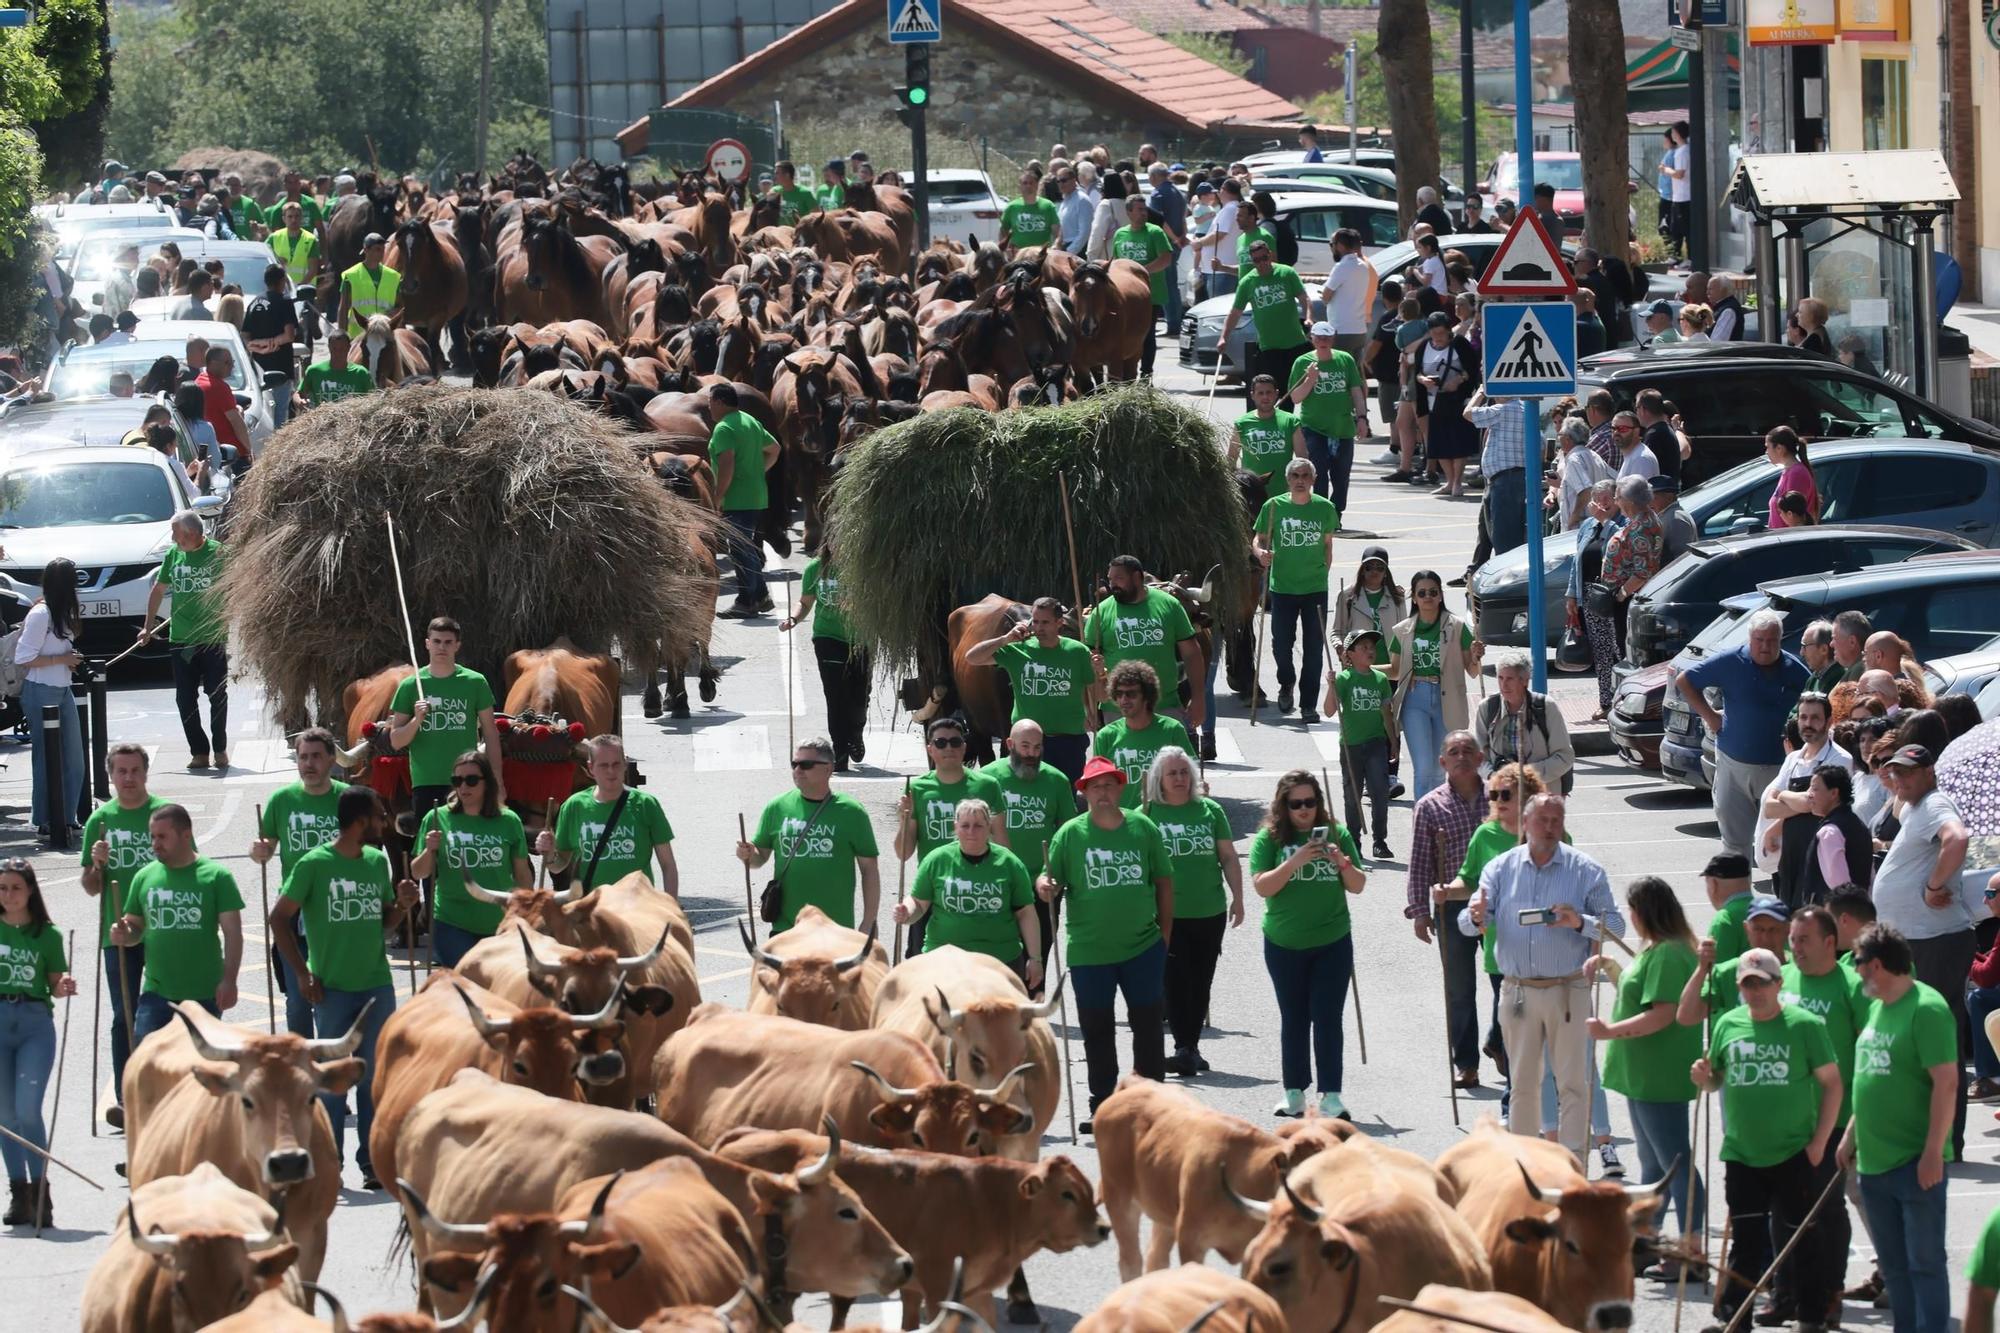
point(1527, 263)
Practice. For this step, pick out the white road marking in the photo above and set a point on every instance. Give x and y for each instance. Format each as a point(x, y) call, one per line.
point(734, 748)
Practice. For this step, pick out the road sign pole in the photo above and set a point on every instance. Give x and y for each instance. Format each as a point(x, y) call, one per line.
point(1524, 156)
point(918, 68)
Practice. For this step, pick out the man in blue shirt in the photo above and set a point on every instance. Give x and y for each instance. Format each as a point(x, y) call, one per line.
point(1172, 206)
point(1309, 140)
point(1566, 900)
point(1759, 683)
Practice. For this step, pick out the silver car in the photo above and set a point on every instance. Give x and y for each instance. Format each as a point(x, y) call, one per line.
point(85, 371)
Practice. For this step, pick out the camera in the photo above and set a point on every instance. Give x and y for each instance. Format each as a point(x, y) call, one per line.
point(1535, 916)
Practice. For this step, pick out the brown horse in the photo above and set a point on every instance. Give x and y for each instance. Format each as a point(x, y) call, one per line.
point(643, 256)
point(434, 282)
point(709, 220)
point(894, 204)
point(393, 355)
point(1114, 312)
point(810, 393)
point(550, 274)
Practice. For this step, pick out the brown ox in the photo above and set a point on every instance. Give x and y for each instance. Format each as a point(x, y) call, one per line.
point(454, 1024)
point(1181, 1300)
point(1002, 1211)
point(1353, 1225)
point(187, 1251)
point(726, 1069)
point(245, 1101)
point(1114, 312)
point(984, 695)
point(1552, 1236)
point(1452, 1310)
point(561, 682)
point(817, 972)
point(363, 703)
point(433, 290)
point(272, 1312)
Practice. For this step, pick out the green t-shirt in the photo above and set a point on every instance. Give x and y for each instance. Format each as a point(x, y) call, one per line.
point(131, 844)
point(1653, 1068)
point(324, 384)
point(1267, 447)
point(243, 211)
point(1770, 1100)
point(1311, 910)
point(1193, 832)
point(1426, 650)
point(641, 827)
point(822, 584)
point(1983, 1269)
point(312, 210)
point(817, 863)
point(1298, 536)
point(1048, 683)
point(1329, 408)
point(1244, 241)
point(1274, 305)
point(1142, 245)
point(1892, 1083)
point(934, 805)
point(742, 435)
point(973, 902)
point(1109, 875)
point(1727, 928)
point(1721, 995)
point(300, 821)
point(343, 900)
point(1028, 222)
point(1836, 999)
point(830, 197)
point(28, 954)
point(1036, 808)
point(451, 726)
point(1362, 695)
point(794, 202)
point(189, 578)
point(483, 848)
point(180, 909)
point(1133, 750)
point(1148, 631)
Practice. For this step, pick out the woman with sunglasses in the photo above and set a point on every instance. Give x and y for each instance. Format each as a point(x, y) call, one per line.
point(471, 837)
point(1303, 864)
point(1430, 656)
point(46, 652)
point(978, 897)
point(32, 969)
point(1200, 846)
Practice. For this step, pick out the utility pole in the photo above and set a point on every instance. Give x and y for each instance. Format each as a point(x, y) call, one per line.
point(485, 84)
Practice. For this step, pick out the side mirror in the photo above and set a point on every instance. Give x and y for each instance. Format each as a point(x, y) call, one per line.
point(207, 504)
point(242, 399)
point(276, 378)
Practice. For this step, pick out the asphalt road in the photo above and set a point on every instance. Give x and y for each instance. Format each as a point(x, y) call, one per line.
point(729, 759)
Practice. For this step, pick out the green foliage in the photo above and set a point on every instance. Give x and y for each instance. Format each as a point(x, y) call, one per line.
point(1212, 47)
point(20, 168)
point(74, 38)
point(27, 86)
point(1492, 132)
point(23, 243)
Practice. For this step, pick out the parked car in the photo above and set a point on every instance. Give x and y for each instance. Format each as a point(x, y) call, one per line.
point(84, 371)
point(1562, 170)
point(30, 427)
point(1964, 673)
point(1932, 484)
point(72, 222)
point(963, 203)
point(1374, 182)
point(99, 250)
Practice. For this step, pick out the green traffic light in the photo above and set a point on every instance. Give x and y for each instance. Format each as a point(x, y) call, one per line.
point(919, 96)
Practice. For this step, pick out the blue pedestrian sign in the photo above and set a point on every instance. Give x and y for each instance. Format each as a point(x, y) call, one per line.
point(14, 18)
point(915, 21)
point(1530, 349)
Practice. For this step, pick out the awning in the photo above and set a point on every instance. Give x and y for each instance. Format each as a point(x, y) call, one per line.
point(1664, 66)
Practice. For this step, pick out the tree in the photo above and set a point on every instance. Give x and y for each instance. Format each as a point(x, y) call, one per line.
point(1597, 81)
point(1403, 41)
point(73, 38)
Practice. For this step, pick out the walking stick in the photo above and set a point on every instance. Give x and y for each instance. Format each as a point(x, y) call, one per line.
point(749, 898)
point(125, 999)
point(55, 1105)
point(1353, 981)
point(97, 1018)
point(410, 948)
point(902, 871)
point(47, 1156)
point(121, 657)
point(1444, 965)
point(1062, 1000)
point(791, 669)
point(1736, 1320)
point(270, 962)
point(549, 824)
point(1257, 654)
point(1076, 591)
point(1681, 1277)
point(409, 636)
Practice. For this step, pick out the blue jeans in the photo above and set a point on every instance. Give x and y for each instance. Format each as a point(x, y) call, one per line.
point(1333, 465)
point(298, 1009)
point(34, 697)
point(1221, 284)
point(27, 1053)
point(451, 943)
point(1908, 1226)
point(1312, 994)
point(1600, 1109)
point(1423, 734)
point(333, 1016)
point(746, 554)
point(280, 399)
point(134, 961)
point(1506, 509)
point(154, 1011)
point(1660, 1131)
point(1978, 1004)
point(1290, 610)
point(1368, 764)
point(1143, 981)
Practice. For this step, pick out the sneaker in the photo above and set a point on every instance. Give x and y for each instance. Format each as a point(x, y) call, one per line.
point(1182, 1062)
point(1608, 1154)
point(1201, 1066)
point(1308, 716)
point(1331, 1107)
point(736, 611)
point(368, 1180)
point(1294, 1104)
point(766, 606)
point(856, 750)
point(1396, 789)
point(1984, 1090)
point(1382, 851)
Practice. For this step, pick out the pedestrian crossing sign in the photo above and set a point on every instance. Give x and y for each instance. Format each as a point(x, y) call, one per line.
point(915, 21)
point(1530, 349)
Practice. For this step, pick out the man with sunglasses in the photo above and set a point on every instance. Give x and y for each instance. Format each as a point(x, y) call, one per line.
point(116, 846)
point(926, 813)
point(1444, 820)
point(1634, 458)
point(1040, 798)
point(820, 837)
point(299, 817)
point(1138, 733)
point(613, 829)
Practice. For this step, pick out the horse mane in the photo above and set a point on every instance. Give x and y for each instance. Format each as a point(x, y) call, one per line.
point(704, 342)
point(671, 304)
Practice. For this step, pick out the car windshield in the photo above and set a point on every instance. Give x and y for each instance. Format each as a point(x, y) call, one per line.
point(1989, 700)
point(71, 231)
point(68, 495)
point(98, 255)
point(86, 371)
point(1565, 173)
point(1849, 409)
point(954, 194)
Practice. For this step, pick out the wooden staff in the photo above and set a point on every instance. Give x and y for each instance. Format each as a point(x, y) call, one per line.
point(1076, 597)
point(410, 947)
point(1257, 653)
point(902, 869)
point(549, 825)
point(55, 1105)
point(409, 635)
point(97, 1013)
point(791, 738)
point(1062, 1001)
point(270, 959)
point(121, 657)
point(46, 1156)
point(1764, 1282)
point(125, 1001)
point(749, 897)
point(1444, 966)
point(1681, 1277)
point(1353, 981)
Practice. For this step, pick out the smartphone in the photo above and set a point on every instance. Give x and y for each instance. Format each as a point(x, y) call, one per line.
point(1534, 916)
point(1319, 833)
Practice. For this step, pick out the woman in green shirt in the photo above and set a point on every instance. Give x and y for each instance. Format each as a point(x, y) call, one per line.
point(32, 968)
point(1204, 857)
point(1303, 864)
point(487, 849)
point(844, 670)
point(1649, 1055)
point(978, 896)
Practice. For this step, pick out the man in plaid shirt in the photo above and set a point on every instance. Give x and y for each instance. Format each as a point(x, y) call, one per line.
point(1446, 818)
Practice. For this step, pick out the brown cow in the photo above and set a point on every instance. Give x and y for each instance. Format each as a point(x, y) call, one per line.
point(273, 1312)
point(1180, 1300)
point(1453, 1309)
point(540, 685)
point(817, 972)
point(1552, 1236)
point(1114, 313)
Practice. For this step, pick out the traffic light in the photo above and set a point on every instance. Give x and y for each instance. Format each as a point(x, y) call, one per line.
point(915, 95)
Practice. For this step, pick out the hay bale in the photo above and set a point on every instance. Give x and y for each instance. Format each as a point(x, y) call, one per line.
point(940, 510)
point(263, 175)
point(522, 514)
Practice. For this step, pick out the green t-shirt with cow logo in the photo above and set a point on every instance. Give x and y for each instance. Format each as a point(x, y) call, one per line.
point(1837, 999)
point(195, 616)
point(1770, 1100)
point(1329, 408)
point(1362, 695)
point(1048, 683)
point(1426, 648)
point(1148, 630)
point(822, 584)
point(1310, 911)
point(451, 727)
point(1266, 447)
point(1133, 748)
point(483, 849)
point(130, 838)
point(1028, 222)
point(300, 821)
point(181, 908)
point(973, 901)
point(343, 900)
point(1108, 876)
point(642, 826)
point(1036, 808)
point(1274, 306)
point(1300, 556)
point(1193, 832)
point(1893, 1058)
point(1142, 245)
point(28, 955)
point(813, 851)
point(934, 805)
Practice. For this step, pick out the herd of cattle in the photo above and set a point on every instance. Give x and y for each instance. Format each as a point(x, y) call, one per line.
point(566, 1122)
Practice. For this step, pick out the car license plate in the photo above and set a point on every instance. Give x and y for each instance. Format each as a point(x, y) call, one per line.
point(95, 610)
point(1187, 338)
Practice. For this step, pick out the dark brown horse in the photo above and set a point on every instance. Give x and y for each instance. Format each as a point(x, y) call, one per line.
point(709, 221)
point(433, 292)
point(550, 274)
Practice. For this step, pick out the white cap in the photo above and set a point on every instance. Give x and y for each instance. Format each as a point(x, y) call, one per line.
point(1322, 330)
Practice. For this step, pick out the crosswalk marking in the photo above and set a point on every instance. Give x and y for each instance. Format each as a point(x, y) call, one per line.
point(732, 748)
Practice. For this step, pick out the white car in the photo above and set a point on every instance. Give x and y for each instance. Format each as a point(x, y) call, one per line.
point(109, 510)
point(72, 222)
point(85, 371)
point(99, 250)
point(963, 203)
point(31, 427)
point(1375, 182)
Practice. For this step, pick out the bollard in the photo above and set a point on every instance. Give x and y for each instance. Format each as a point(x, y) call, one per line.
point(100, 738)
point(87, 724)
point(52, 781)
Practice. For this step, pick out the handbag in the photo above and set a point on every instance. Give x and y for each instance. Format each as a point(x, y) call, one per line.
point(604, 837)
point(1574, 652)
point(771, 902)
point(1601, 599)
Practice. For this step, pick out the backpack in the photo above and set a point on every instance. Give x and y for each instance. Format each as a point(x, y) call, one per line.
point(1538, 718)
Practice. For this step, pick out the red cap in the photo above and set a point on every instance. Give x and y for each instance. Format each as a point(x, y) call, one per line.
point(1100, 767)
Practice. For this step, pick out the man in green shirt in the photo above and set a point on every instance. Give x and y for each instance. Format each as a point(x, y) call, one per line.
point(343, 892)
point(794, 200)
point(832, 192)
point(614, 830)
point(1137, 734)
point(1267, 439)
point(1139, 622)
point(1279, 310)
point(118, 844)
point(335, 378)
point(1357, 696)
point(1294, 540)
point(820, 839)
point(200, 637)
point(1040, 798)
point(1051, 677)
point(1332, 396)
point(309, 205)
point(1145, 244)
point(296, 247)
point(741, 451)
point(929, 804)
point(187, 909)
point(1711, 991)
point(440, 713)
point(297, 818)
point(1030, 219)
point(1726, 877)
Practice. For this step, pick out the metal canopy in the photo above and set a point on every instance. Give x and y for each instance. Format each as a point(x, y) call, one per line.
point(1772, 182)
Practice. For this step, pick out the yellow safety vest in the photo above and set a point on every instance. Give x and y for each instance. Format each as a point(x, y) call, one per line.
point(369, 296)
point(296, 256)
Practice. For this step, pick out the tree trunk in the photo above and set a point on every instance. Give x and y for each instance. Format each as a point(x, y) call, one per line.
point(1597, 79)
point(1403, 44)
point(1964, 32)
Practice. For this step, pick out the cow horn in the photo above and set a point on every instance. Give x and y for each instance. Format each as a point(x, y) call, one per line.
point(1005, 1089)
point(641, 960)
point(208, 1050)
point(867, 947)
point(536, 967)
point(603, 1017)
point(822, 1168)
point(586, 1230)
point(479, 893)
point(1204, 1316)
point(589, 1306)
point(895, 1093)
point(469, 1317)
point(1202, 597)
point(464, 1232)
point(488, 1027)
point(1309, 1212)
point(1658, 1187)
point(1542, 1193)
point(354, 758)
point(333, 1305)
point(571, 894)
point(965, 1312)
point(1030, 1012)
point(159, 1244)
point(762, 955)
point(339, 1048)
point(946, 1020)
point(277, 1231)
point(1260, 1211)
